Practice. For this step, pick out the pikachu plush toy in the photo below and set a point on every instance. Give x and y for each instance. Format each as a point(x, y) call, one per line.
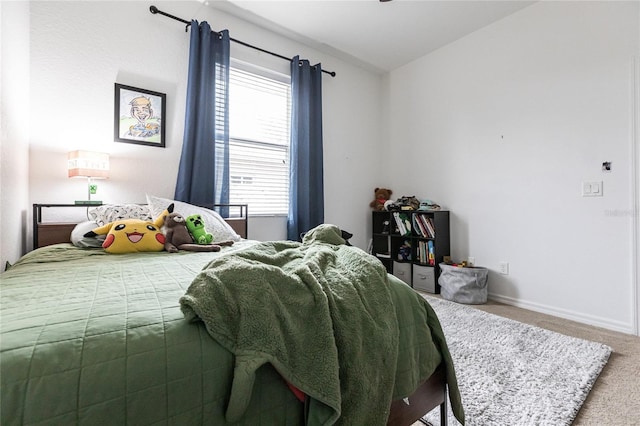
point(133, 235)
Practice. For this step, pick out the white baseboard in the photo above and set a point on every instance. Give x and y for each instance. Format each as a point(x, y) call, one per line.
point(593, 320)
point(635, 192)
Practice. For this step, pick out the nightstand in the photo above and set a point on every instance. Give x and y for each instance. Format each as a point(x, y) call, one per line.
point(47, 233)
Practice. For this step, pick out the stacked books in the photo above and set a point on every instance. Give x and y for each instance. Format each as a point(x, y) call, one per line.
point(423, 225)
point(425, 252)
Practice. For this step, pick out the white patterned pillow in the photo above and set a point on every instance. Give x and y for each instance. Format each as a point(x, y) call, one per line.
point(79, 240)
point(214, 223)
point(108, 213)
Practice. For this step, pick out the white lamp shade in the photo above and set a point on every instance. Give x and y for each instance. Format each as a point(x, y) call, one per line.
point(88, 164)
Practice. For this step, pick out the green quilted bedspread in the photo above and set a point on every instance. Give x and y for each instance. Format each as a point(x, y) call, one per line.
point(94, 338)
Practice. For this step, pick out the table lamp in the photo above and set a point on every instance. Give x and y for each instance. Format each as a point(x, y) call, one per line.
point(89, 164)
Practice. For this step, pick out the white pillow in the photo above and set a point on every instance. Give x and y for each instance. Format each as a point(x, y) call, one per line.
point(79, 240)
point(213, 222)
point(108, 213)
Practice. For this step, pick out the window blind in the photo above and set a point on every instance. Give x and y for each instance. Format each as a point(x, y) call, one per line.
point(259, 117)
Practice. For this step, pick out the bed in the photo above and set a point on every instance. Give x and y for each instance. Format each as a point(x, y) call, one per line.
point(96, 338)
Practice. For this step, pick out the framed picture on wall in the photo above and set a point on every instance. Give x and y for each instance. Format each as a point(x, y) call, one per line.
point(139, 116)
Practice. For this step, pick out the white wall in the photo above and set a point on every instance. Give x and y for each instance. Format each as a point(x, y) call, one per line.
point(14, 153)
point(80, 49)
point(502, 126)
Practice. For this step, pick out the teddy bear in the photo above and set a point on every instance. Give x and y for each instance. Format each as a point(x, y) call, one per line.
point(382, 195)
point(178, 237)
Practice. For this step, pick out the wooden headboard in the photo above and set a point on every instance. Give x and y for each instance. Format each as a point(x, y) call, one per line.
point(47, 233)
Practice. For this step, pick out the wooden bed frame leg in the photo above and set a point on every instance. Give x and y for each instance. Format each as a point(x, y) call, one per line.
point(443, 412)
point(430, 395)
point(444, 421)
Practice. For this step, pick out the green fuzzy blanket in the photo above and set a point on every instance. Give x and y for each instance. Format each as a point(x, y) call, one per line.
point(325, 316)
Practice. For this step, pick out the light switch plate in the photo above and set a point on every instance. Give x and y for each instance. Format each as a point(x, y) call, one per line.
point(592, 189)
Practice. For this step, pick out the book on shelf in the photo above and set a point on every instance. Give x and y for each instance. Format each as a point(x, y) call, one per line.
point(399, 224)
point(422, 252)
point(432, 258)
point(404, 225)
point(419, 226)
point(406, 222)
point(432, 227)
point(428, 224)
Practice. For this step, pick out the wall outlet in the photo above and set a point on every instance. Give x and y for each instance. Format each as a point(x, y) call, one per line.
point(471, 261)
point(503, 268)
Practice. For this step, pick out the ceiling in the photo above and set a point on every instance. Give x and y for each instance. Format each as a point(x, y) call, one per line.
point(379, 36)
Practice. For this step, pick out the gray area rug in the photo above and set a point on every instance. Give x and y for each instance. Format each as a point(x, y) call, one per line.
point(510, 373)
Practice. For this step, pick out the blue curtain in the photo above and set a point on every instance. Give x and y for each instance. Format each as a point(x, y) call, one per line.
point(203, 174)
point(306, 192)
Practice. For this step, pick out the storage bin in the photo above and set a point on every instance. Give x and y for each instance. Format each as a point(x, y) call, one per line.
point(424, 278)
point(463, 285)
point(402, 270)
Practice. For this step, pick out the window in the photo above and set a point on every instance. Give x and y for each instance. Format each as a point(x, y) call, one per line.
point(259, 117)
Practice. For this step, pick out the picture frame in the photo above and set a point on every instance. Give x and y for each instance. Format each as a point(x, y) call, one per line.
point(139, 116)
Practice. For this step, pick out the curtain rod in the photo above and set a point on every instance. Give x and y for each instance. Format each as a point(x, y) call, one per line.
point(155, 10)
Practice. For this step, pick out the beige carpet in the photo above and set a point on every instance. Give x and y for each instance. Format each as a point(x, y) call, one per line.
point(615, 397)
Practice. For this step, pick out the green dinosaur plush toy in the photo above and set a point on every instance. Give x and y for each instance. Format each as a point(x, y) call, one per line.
point(196, 228)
